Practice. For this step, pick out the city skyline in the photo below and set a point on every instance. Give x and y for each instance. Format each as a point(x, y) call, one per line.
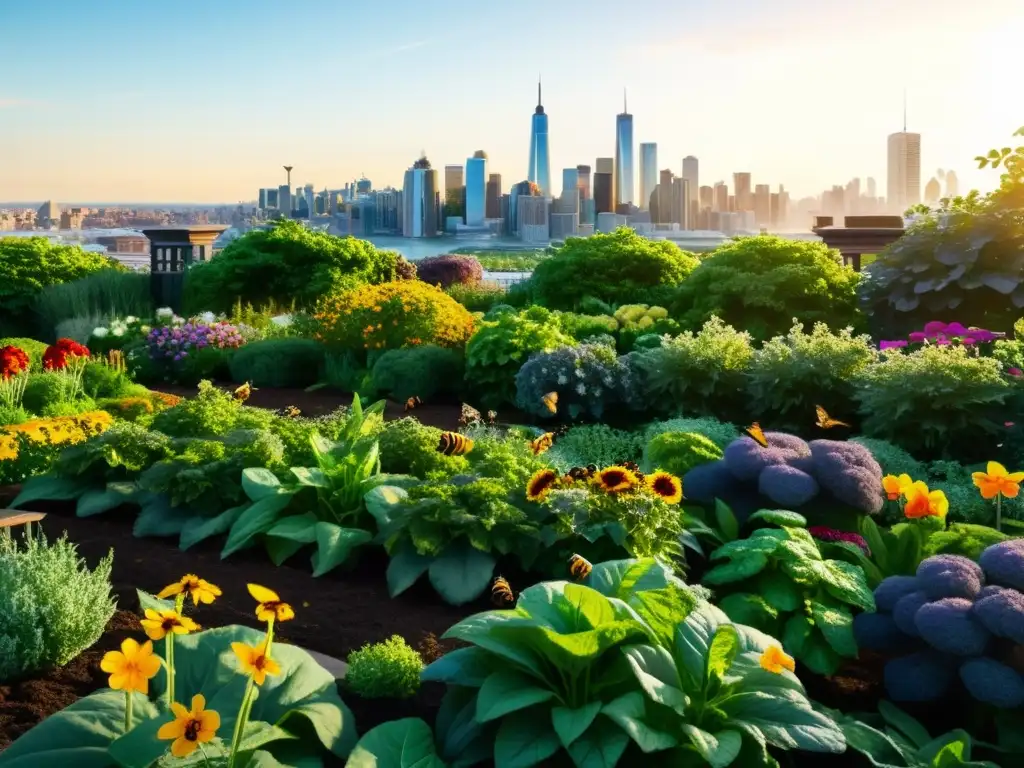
point(768, 98)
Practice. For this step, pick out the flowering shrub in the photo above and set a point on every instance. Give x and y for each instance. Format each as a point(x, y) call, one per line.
point(175, 342)
point(943, 334)
point(58, 431)
point(636, 320)
point(57, 356)
point(392, 315)
point(13, 361)
point(390, 669)
point(117, 334)
point(450, 269)
point(588, 378)
point(34, 349)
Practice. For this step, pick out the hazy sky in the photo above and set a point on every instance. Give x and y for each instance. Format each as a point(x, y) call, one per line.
point(204, 100)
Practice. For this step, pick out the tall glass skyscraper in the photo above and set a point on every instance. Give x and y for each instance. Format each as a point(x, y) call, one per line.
point(540, 157)
point(623, 180)
point(648, 173)
point(476, 188)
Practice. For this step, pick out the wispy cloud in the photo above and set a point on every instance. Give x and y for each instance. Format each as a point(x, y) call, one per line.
point(408, 46)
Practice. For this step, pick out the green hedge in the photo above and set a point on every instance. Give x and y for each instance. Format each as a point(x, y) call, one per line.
point(286, 362)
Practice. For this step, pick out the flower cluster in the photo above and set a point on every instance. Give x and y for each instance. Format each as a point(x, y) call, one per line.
point(996, 483)
point(824, 533)
point(56, 431)
point(13, 361)
point(915, 498)
point(639, 316)
point(169, 316)
point(610, 480)
point(117, 327)
point(57, 356)
point(944, 334)
point(175, 342)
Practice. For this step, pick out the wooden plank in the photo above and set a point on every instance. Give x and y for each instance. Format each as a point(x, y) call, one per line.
point(12, 517)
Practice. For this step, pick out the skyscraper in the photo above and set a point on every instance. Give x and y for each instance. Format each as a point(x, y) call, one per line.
point(762, 205)
point(540, 160)
point(691, 169)
point(952, 184)
point(419, 200)
point(622, 181)
point(493, 205)
point(454, 191)
point(476, 188)
point(284, 200)
point(744, 197)
point(570, 180)
point(262, 202)
point(604, 186)
point(904, 178)
point(871, 187)
point(932, 191)
point(721, 197)
point(583, 172)
point(648, 173)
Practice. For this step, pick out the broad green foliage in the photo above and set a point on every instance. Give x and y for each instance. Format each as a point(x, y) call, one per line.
point(406, 743)
point(29, 264)
point(499, 347)
point(281, 362)
point(284, 264)
point(791, 374)
point(679, 452)
point(108, 294)
point(762, 283)
point(390, 669)
point(210, 413)
point(776, 580)
point(594, 444)
point(618, 268)
point(53, 606)
point(931, 399)
point(408, 447)
point(603, 673)
point(423, 371)
point(718, 432)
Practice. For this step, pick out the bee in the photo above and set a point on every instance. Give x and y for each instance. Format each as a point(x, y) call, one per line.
point(501, 593)
point(469, 415)
point(550, 401)
point(411, 403)
point(755, 431)
point(291, 412)
point(825, 421)
point(542, 443)
point(583, 473)
point(579, 567)
point(454, 444)
point(241, 394)
point(633, 467)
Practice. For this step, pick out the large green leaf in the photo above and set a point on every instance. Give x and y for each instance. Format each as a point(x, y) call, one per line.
point(508, 691)
point(490, 631)
point(406, 743)
point(525, 739)
point(79, 735)
point(460, 739)
point(818, 656)
point(259, 483)
point(627, 711)
point(300, 528)
point(848, 583)
point(786, 720)
point(718, 749)
point(405, 568)
point(572, 653)
point(725, 644)
point(693, 640)
point(96, 502)
point(384, 503)
point(763, 541)
point(334, 544)
point(461, 573)
point(599, 747)
point(255, 520)
point(198, 528)
point(752, 610)
point(311, 477)
point(623, 578)
point(740, 567)
point(570, 723)
point(780, 517)
point(159, 518)
point(468, 667)
point(836, 624)
point(904, 723)
point(726, 520)
point(779, 591)
point(49, 488)
point(656, 672)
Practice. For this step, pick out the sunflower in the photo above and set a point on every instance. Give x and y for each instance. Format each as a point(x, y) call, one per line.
point(541, 484)
point(666, 486)
point(616, 479)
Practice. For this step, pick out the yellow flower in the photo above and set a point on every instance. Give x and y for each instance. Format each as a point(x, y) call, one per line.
point(540, 484)
point(189, 729)
point(996, 481)
point(924, 503)
point(255, 661)
point(895, 487)
point(132, 667)
point(200, 590)
point(159, 623)
point(616, 479)
point(774, 660)
point(270, 607)
point(665, 485)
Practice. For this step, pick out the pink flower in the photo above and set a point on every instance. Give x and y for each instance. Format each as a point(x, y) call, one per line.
point(1015, 372)
point(824, 533)
point(955, 329)
point(1007, 424)
point(967, 341)
point(892, 344)
point(917, 336)
point(934, 328)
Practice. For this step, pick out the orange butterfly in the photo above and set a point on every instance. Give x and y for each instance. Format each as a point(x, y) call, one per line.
point(827, 422)
point(755, 431)
point(551, 401)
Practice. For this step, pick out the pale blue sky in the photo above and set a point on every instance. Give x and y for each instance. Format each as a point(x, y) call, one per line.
point(204, 100)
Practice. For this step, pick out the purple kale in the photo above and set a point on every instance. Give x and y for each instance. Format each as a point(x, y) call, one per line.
point(923, 676)
point(905, 609)
point(746, 457)
point(950, 576)
point(948, 626)
point(892, 589)
point(707, 482)
point(1003, 563)
point(850, 473)
point(450, 269)
point(993, 683)
point(787, 486)
point(878, 632)
point(1002, 613)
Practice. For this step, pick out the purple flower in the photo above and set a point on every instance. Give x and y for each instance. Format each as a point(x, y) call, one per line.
point(892, 344)
point(942, 341)
point(934, 328)
point(955, 329)
point(967, 341)
point(824, 533)
point(1015, 372)
point(918, 336)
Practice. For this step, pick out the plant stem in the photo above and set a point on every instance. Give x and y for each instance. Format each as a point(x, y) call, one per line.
point(169, 653)
point(243, 715)
point(999, 512)
point(128, 711)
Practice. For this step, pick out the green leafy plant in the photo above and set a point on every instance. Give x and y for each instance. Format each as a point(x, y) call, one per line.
point(426, 371)
point(54, 606)
point(396, 744)
point(209, 413)
point(408, 447)
point(777, 580)
point(718, 432)
point(33, 455)
point(594, 444)
point(679, 452)
point(280, 362)
point(108, 293)
point(390, 669)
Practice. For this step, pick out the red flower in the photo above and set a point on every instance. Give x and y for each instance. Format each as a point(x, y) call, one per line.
point(56, 355)
point(13, 361)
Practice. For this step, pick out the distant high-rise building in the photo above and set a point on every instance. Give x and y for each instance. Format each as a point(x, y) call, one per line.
point(476, 188)
point(904, 178)
point(744, 196)
point(622, 181)
point(522, 189)
point(681, 203)
point(648, 173)
point(762, 205)
point(272, 195)
point(932, 191)
point(952, 184)
point(661, 199)
point(284, 200)
point(604, 173)
point(721, 197)
point(364, 186)
point(570, 180)
point(419, 200)
point(389, 210)
point(540, 159)
point(49, 212)
point(872, 187)
point(706, 197)
point(494, 196)
point(691, 172)
point(569, 200)
point(454, 191)
point(262, 201)
point(583, 172)
point(308, 195)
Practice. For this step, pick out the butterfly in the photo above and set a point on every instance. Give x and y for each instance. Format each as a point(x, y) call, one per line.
point(412, 402)
point(582, 473)
point(755, 431)
point(501, 593)
point(633, 467)
point(291, 412)
point(827, 422)
point(550, 400)
point(454, 444)
point(241, 394)
point(542, 443)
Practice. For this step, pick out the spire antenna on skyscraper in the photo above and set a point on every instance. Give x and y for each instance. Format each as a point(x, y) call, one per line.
point(904, 110)
point(625, 110)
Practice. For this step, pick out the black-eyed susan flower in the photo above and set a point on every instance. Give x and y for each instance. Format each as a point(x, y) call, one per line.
point(665, 486)
point(540, 484)
point(616, 479)
point(255, 661)
point(190, 728)
point(158, 624)
point(271, 607)
point(190, 585)
point(132, 667)
point(774, 660)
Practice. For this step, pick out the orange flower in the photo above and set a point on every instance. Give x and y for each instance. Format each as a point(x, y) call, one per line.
point(895, 487)
point(996, 481)
point(132, 667)
point(774, 660)
point(924, 503)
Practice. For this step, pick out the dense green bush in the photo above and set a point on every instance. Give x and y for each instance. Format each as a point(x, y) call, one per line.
point(791, 374)
point(284, 263)
point(210, 413)
point(698, 373)
point(619, 268)
point(583, 327)
point(679, 452)
point(282, 362)
point(594, 444)
point(762, 283)
point(48, 388)
point(53, 606)
point(499, 347)
point(425, 372)
point(935, 401)
point(109, 293)
point(719, 432)
point(408, 447)
point(390, 669)
point(34, 349)
point(102, 380)
point(29, 264)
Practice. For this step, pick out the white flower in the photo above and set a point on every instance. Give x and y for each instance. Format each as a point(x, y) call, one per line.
point(282, 320)
point(99, 333)
point(164, 312)
point(579, 372)
point(207, 317)
point(562, 379)
point(117, 330)
point(177, 320)
point(131, 319)
point(145, 329)
point(581, 388)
